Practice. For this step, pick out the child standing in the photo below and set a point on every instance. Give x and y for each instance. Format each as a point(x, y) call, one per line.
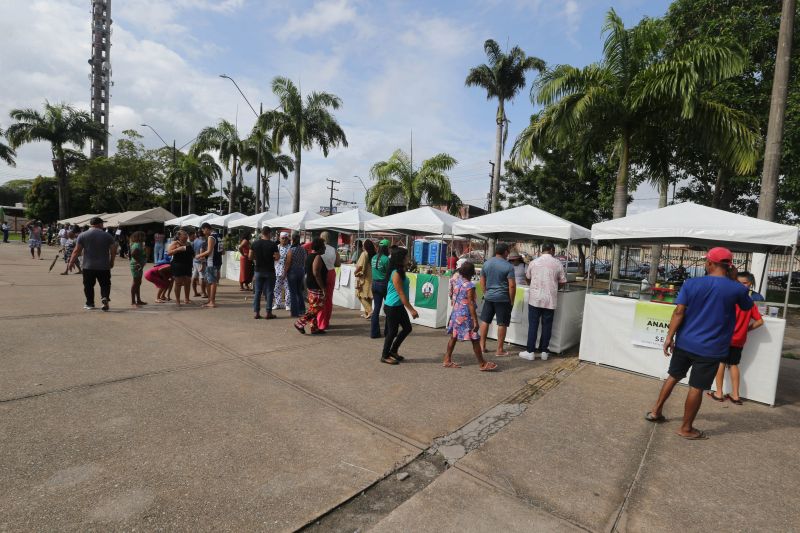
point(463, 324)
point(138, 257)
point(745, 321)
point(69, 246)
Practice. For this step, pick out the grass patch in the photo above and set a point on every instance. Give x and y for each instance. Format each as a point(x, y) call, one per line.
point(790, 355)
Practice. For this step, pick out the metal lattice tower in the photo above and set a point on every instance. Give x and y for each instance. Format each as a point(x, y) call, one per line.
point(100, 76)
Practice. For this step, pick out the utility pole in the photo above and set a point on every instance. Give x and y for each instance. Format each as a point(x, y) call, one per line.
point(100, 92)
point(333, 182)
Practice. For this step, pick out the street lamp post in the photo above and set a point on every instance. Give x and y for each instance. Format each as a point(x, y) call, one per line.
point(174, 165)
point(258, 142)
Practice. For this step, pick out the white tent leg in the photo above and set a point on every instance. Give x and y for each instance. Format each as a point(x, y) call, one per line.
point(789, 283)
point(591, 265)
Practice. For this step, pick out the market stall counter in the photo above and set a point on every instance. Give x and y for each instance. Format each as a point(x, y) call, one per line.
point(344, 291)
point(629, 334)
point(567, 319)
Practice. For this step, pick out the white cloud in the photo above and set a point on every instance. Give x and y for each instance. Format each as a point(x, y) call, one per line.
point(324, 16)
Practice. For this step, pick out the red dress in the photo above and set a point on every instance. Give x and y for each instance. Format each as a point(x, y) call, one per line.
point(245, 265)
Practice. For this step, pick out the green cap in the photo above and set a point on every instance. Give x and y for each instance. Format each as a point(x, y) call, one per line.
point(384, 242)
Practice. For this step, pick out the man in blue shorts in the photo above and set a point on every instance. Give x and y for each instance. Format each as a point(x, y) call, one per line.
point(213, 257)
point(499, 288)
point(704, 320)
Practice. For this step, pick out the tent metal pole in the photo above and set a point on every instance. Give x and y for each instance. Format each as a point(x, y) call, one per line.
point(764, 274)
point(591, 264)
point(789, 282)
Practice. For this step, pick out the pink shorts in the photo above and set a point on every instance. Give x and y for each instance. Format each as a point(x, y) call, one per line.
point(155, 278)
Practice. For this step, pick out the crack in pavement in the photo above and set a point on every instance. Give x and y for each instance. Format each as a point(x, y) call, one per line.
point(389, 492)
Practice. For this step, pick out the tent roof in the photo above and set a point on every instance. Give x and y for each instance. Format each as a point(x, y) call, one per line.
point(223, 221)
point(347, 222)
point(294, 221)
point(81, 219)
point(698, 225)
point(177, 221)
point(197, 220)
point(522, 223)
point(253, 221)
point(420, 221)
point(135, 218)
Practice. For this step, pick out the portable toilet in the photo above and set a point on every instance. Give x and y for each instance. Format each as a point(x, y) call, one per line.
point(421, 251)
point(437, 253)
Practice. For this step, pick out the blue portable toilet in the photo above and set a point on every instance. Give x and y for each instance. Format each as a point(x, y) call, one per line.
point(437, 253)
point(421, 251)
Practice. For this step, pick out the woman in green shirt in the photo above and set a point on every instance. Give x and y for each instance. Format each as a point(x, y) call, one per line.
point(397, 308)
point(380, 271)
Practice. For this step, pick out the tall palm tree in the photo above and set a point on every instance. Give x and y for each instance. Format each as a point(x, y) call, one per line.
point(7, 153)
point(635, 87)
point(224, 138)
point(272, 162)
point(398, 180)
point(195, 172)
point(777, 111)
point(502, 78)
point(60, 125)
point(303, 124)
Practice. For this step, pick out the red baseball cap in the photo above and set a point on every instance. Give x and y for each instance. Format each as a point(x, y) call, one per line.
point(719, 255)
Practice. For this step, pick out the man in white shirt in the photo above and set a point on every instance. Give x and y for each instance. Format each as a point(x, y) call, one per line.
point(331, 260)
point(545, 275)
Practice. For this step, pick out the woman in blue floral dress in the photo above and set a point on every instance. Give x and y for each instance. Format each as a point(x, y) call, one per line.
point(463, 323)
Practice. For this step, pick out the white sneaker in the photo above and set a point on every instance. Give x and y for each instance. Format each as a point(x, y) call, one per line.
point(89, 307)
point(545, 355)
point(530, 356)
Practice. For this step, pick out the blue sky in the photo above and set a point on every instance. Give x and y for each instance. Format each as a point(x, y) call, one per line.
point(396, 65)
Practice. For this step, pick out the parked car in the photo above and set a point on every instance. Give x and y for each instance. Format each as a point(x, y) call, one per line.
point(781, 279)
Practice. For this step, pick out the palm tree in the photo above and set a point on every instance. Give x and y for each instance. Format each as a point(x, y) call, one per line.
point(502, 78)
point(224, 138)
point(272, 162)
point(195, 172)
point(7, 153)
point(60, 125)
point(635, 88)
point(303, 124)
point(777, 111)
point(398, 180)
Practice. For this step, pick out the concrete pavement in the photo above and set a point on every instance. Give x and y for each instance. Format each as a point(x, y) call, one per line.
point(161, 418)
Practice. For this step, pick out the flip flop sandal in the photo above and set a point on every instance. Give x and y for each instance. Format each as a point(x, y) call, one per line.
point(451, 364)
point(701, 435)
point(488, 367)
point(389, 360)
point(715, 397)
point(302, 331)
point(735, 402)
point(502, 354)
point(655, 419)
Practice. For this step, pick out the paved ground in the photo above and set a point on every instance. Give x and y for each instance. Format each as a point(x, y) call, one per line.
point(208, 420)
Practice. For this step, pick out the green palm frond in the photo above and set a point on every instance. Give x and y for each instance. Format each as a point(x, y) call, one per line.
point(7, 153)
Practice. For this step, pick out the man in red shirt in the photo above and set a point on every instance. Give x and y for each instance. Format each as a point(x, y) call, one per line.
point(745, 321)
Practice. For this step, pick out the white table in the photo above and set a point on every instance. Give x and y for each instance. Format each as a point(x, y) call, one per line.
point(567, 320)
point(608, 330)
point(344, 292)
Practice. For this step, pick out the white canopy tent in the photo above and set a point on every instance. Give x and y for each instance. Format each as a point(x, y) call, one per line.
point(420, 221)
point(223, 221)
point(701, 226)
point(197, 220)
point(694, 224)
point(523, 222)
point(80, 220)
point(253, 221)
point(137, 218)
point(293, 221)
point(352, 221)
point(177, 221)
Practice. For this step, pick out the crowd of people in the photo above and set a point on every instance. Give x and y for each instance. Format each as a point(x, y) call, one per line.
point(707, 332)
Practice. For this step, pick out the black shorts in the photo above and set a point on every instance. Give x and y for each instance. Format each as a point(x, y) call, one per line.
point(704, 369)
point(500, 309)
point(734, 356)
